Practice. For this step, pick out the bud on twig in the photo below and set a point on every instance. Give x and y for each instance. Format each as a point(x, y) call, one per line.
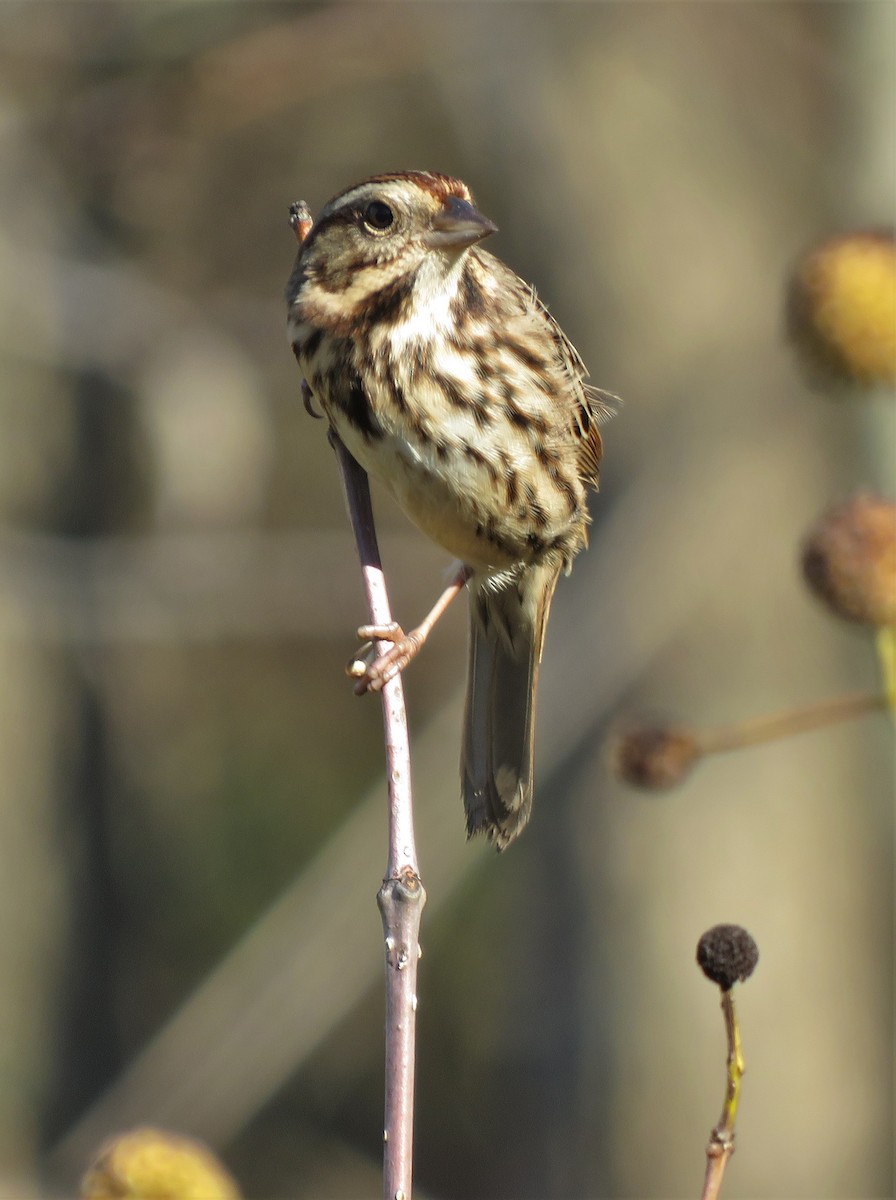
point(726, 954)
point(654, 755)
point(300, 220)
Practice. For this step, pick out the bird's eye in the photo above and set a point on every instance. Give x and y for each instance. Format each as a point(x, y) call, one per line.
point(378, 216)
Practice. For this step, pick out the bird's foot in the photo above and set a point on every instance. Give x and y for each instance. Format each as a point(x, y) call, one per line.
point(372, 670)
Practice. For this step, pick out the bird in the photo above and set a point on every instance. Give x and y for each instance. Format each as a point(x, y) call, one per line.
point(448, 380)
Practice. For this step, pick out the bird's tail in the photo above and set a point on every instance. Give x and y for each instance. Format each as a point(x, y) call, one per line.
point(507, 627)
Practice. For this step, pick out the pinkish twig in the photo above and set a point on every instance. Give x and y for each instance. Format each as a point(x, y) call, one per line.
point(401, 898)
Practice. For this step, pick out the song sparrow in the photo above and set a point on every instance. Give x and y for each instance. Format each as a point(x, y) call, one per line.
point(448, 380)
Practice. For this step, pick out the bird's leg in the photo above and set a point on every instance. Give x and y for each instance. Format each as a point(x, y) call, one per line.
point(372, 670)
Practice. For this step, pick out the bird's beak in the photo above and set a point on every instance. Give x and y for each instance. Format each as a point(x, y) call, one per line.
point(457, 225)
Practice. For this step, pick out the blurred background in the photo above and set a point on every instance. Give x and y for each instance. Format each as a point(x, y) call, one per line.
point(192, 825)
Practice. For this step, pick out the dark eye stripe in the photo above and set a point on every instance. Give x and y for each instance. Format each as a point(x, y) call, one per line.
point(349, 214)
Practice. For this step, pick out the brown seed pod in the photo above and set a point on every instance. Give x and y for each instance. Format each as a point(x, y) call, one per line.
point(841, 308)
point(653, 756)
point(726, 954)
point(849, 559)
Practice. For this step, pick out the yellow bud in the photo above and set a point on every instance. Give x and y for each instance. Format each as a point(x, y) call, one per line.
point(842, 308)
point(151, 1164)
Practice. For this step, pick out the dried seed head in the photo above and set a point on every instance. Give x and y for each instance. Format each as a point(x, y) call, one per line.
point(149, 1164)
point(849, 559)
point(653, 756)
point(841, 308)
point(727, 953)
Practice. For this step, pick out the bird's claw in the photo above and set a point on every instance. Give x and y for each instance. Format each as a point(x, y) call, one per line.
point(372, 670)
point(308, 402)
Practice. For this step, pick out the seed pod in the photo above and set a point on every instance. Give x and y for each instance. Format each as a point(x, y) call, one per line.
point(726, 954)
point(849, 559)
point(653, 756)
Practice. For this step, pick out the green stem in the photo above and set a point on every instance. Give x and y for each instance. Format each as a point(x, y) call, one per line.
point(721, 1140)
point(736, 1067)
point(886, 653)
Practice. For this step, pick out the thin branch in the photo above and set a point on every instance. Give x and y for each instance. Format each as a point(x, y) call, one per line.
point(785, 724)
point(401, 898)
point(721, 1141)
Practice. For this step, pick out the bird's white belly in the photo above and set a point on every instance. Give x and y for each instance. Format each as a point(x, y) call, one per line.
point(441, 500)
